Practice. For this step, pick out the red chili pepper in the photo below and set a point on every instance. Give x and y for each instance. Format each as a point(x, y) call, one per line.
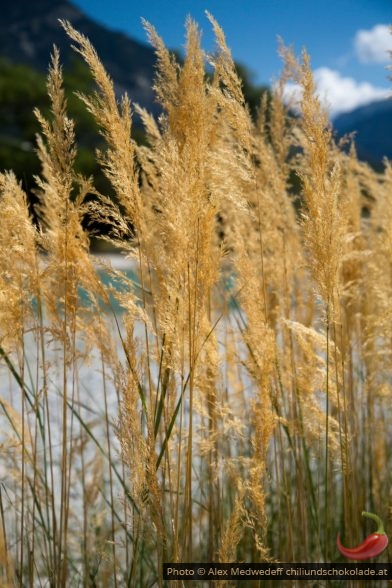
point(371, 546)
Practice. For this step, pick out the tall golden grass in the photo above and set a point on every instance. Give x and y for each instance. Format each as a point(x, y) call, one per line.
point(240, 408)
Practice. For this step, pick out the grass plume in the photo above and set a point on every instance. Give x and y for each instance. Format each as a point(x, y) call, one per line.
point(215, 399)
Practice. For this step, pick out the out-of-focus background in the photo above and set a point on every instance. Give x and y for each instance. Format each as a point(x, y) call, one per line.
point(349, 43)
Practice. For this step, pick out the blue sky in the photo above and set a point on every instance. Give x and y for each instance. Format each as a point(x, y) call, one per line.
point(347, 39)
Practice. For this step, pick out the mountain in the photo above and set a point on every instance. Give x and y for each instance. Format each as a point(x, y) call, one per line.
point(28, 31)
point(373, 126)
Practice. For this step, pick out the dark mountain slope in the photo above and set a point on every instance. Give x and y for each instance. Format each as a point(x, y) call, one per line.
point(28, 31)
point(373, 126)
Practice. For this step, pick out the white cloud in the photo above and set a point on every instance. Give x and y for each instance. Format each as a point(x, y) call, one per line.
point(373, 45)
point(339, 94)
